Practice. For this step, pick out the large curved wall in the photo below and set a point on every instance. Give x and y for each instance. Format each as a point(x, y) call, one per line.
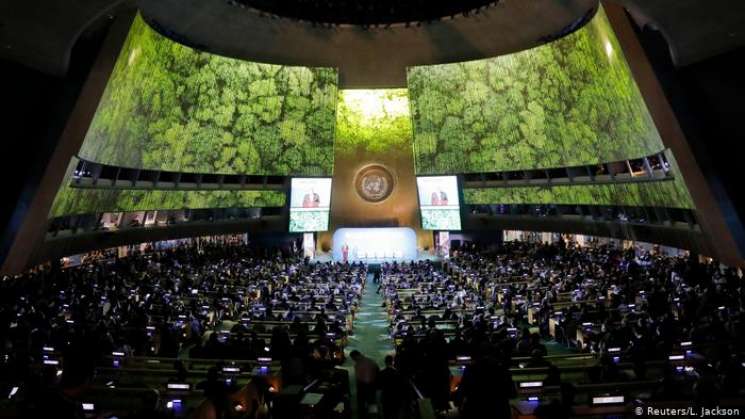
point(74, 201)
point(568, 103)
point(663, 193)
point(573, 102)
point(170, 107)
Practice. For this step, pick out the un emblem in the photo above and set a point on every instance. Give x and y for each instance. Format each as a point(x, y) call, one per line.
point(374, 183)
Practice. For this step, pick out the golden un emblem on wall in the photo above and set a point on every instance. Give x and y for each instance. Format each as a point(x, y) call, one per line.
point(374, 183)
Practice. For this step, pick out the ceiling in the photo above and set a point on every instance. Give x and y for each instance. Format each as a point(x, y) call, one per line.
point(41, 33)
point(365, 12)
point(694, 29)
point(366, 58)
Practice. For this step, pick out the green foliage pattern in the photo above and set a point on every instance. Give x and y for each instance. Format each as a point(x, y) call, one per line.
point(571, 102)
point(440, 219)
point(303, 221)
point(373, 121)
point(71, 201)
point(171, 107)
point(663, 193)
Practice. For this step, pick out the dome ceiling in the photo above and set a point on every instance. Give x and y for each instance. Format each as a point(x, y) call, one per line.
point(41, 33)
point(366, 12)
point(367, 56)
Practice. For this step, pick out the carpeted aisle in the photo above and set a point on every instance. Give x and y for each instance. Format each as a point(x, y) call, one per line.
point(371, 335)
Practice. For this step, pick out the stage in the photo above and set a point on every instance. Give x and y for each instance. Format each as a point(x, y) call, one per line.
point(328, 257)
point(372, 245)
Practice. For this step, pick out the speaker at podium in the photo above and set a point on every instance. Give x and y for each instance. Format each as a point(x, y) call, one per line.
point(374, 244)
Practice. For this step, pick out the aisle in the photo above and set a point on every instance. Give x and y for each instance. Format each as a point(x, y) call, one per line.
point(371, 335)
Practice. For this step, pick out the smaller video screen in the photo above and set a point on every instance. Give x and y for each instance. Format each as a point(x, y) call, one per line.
point(310, 203)
point(439, 202)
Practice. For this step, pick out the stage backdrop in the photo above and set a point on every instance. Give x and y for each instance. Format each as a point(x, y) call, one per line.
point(374, 183)
point(375, 244)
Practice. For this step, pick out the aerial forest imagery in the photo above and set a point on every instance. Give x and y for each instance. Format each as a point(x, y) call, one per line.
point(72, 200)
point(305, 221)
point(664, 193)
point(567, 103)
point(441, 219)
point(90, 201)
point(373, 122)
point(170, 107)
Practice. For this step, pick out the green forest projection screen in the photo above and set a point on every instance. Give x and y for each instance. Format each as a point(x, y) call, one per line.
point(571, 102)
point(170, 107)
point(75, 201)
point(568, 103)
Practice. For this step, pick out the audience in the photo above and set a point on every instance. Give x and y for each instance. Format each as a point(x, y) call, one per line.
point(489, 313)
point(498, 307)
point(205, 301)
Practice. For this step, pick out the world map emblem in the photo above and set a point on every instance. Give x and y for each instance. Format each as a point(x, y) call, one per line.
point(374, 183)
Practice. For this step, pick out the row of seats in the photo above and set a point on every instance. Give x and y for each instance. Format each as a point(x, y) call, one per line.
point(628, 324)
point(189, 331)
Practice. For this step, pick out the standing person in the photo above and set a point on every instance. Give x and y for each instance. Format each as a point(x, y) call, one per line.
point(487, 388)
point(345, 252)
point(311, 200)
point(393, 386)
point(443, 198)
point(316, 200)
point(366, 371)
point(307, 200)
